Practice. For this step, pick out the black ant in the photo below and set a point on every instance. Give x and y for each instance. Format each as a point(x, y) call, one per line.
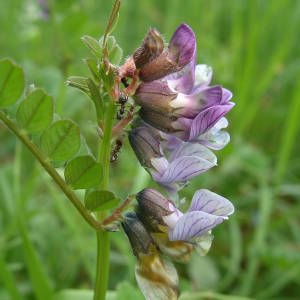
point(115, 151)
point(122, 100)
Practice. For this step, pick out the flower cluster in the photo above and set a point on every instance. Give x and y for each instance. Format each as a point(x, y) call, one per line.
point(181, 115)
point(181, 120)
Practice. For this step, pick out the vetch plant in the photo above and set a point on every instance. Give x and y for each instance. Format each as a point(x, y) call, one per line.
point(173, 118)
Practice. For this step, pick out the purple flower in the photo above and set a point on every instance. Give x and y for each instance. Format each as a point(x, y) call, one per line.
point(171, 169)
point(183, 103)
point(206, 211)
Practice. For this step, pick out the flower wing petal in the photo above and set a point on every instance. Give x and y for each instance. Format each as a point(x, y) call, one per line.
point(208, 118)
point(184, 168)
point(215, 141)
point(203, 75)
point(226, 96)
point(193, 224)
point(211, 203)
point(183, 81)
point(192, 149)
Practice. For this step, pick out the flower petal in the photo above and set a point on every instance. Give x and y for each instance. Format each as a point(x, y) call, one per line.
point(208, 118)
point(211, 203)
point(190, 149)
point(189, 106)
point(183, 81)
point(185, 168)
point(194, 224)
point(154, 95)
point(227, 95)
point(215, 141)
point(215, 138)
point(203, 75)
point(170, 142)
point(203, 243)
point(182, 46)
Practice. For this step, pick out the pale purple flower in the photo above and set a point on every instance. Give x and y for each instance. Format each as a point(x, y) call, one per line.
point(206, 211)
point(171, 169)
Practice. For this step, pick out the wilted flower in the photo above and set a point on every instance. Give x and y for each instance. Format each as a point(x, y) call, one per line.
point(156, 277)
point(154, 62)
point(206, 211)
point(151, 48)
point(171, 169)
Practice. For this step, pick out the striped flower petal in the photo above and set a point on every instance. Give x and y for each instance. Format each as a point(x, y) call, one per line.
point(193, 224)
point(212, 203)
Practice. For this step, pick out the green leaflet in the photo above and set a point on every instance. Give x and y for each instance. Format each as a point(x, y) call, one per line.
point(61, 141)
point(97, 200)
point(83, 172)
point(35, 113)
point(11, 82)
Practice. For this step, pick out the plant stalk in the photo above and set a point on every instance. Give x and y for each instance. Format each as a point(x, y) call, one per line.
point(103, 238)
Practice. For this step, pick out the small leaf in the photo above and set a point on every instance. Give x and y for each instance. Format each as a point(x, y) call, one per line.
point(100, 200)
point(83, 172)
point(92, 65)
point(93, 45)
point(107, 76)
point(110, 41)
point(35, 113)
point(79, 83)
point(115, 52)
point(11, 82)
point(115, 55)
point(61, 141)
point(96, 97)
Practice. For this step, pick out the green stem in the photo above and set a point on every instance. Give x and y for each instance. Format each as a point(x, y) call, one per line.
point(103, 238)
point(8, 279)
point(51, 171)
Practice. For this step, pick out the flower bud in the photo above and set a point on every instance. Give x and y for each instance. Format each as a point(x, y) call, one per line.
point(151, 48)
point(138, 236)
point(155, 95)
point(159, 120)
point(145, 144)
point(152, 207)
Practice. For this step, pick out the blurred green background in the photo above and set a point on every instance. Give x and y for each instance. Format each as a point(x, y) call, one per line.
point(253, 47)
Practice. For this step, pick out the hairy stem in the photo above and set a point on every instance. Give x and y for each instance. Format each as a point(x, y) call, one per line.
point(103, 238)
point(51, 171)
